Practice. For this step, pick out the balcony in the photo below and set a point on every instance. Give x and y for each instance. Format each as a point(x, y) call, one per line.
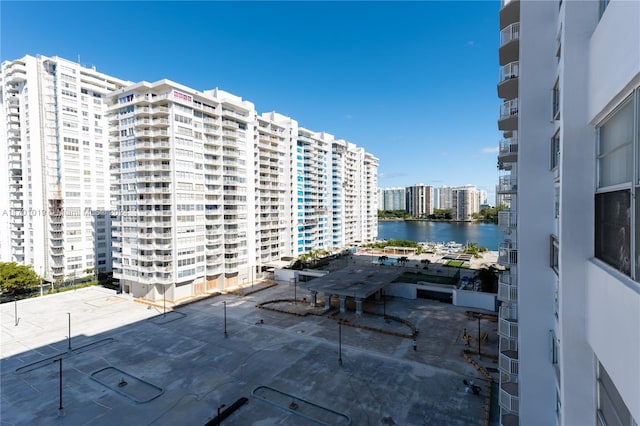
point(508, 150)
point(509, 44)
point(507, 288)
point(508, 362)
point(508, 120)
point(508, 419)
point(507, 184)
point(507, 254)
point(509, 397)
point(508, 84)
point(507, 325)
point(507, 220)
point(509, 12)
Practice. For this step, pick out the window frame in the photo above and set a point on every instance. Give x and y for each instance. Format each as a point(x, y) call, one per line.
point(632, 186)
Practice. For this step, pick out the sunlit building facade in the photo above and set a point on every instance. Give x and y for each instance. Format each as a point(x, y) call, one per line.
point(55, 167)
point(569, 323)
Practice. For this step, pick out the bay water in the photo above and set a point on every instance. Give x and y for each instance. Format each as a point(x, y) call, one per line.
point(484, 234)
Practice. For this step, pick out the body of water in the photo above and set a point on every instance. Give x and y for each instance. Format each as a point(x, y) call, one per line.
point(484, 234)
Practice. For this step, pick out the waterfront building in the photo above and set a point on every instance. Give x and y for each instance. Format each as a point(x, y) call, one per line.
point(419, 200)
point(213, 194)
point(55, 170)
point(465, 201)
point(393, 199)
point(569, 323)
point(444, 196)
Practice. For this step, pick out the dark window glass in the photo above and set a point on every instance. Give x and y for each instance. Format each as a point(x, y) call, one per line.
point(613, 228)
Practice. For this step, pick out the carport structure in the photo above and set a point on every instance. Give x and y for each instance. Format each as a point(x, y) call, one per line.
point(357, 281)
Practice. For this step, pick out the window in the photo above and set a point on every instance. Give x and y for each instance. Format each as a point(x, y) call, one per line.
point(554, 253)
point(611, 408)
point(614, 207)
point(555, 151)
point(556, 100)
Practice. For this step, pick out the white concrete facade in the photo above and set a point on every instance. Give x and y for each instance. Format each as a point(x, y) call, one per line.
point(419, 200)
point(393, 199)
point(570, 315)
point(56, 170)
point(210, 194)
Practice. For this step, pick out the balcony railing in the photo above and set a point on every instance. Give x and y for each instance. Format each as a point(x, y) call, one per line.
point(508, 362)
point(510, 71)
point(509, 109)
point(507, 256)
point(507, 293)
point(507, 220)
point(507, 184)
point(510, 33)
point(509, 397)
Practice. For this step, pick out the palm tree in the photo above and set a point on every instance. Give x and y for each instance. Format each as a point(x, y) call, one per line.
point(488, 279)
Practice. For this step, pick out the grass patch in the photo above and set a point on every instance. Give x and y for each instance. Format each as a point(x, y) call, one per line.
point(454, 263)
point(413, 278)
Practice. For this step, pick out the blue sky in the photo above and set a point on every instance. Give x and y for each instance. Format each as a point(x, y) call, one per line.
point(414, 83)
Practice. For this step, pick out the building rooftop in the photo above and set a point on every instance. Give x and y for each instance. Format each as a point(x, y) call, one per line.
point(132, 365)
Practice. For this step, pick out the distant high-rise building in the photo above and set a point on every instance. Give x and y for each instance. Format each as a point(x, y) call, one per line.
point(55, 170)
point(569, 320)
point(393, 199)
point(465, 202)
point(445, 197)
point(419, 200)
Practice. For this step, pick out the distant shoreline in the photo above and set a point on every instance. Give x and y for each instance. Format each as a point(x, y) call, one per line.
point(433, 220)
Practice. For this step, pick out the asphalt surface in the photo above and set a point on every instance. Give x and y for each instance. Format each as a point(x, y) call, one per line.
point(130, 364)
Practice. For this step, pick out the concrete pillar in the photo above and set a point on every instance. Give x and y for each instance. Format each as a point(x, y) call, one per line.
point(343, 305)
point(327, 302)
point(358, 306)
point(312, 303)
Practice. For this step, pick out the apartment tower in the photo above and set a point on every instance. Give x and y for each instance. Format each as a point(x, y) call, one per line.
point(56, 174)
point(569, 323)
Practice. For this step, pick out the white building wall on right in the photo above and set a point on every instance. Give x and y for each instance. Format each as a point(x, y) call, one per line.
point(612, 287)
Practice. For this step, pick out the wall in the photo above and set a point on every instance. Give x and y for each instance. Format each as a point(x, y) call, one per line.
point(613, 318)
point(475, 299)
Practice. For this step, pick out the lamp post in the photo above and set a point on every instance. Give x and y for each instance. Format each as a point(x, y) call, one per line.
point(15, 310)
point(479, 355)
point(164, 300)
point(219, 408)
point(69, 339)
point(60, 407)
point(340, 342)
point(295, 288)
point(224, 304)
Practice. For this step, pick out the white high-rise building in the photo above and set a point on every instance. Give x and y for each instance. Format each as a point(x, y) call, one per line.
point(465, 201)
point(569, 323)
point(210, 194)
point(445, 197)
point(183, 168)
point(55, 171)
point(393, 199)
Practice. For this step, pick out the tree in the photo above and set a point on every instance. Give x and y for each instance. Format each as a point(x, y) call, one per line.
point(403, 260)
point(17, 279)
point(488, 279)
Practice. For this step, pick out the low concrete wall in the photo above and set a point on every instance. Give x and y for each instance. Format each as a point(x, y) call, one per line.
point(474, 299)
point(406, 291)
point(289, 274)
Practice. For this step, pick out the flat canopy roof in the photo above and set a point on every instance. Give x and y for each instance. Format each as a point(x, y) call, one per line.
point(355, 281)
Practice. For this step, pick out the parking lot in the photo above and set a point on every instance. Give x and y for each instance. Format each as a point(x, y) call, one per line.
point(130, 364)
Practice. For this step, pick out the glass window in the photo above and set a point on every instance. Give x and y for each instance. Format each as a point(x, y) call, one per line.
point(611, 407)
point(617, 213)
point(615, 148)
